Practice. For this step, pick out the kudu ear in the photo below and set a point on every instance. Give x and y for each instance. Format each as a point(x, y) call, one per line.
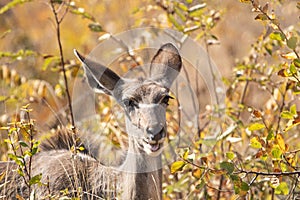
point(166, 65)
point(100, 78)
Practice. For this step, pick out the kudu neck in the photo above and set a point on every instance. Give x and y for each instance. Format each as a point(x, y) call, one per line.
point(142, 174)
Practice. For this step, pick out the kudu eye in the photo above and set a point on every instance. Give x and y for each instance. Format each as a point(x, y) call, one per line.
point(130, 104)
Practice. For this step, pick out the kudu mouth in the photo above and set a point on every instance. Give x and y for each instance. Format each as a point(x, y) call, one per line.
point(154, 142)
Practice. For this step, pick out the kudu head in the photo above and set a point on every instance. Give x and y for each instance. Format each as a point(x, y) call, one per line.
point(144, 100)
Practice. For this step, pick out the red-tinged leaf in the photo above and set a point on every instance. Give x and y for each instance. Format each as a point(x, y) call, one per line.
point(283, 73)
point(292, 159)
point(259, 154)
point(289, 56)
point(257, 113)
point(261, 17)
point(204, 160)
point(197, 173)
point(218, 171)
point(296, 119)
point(255, 3)
point(265, 8)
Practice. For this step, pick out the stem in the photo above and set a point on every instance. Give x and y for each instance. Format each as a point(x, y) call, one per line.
point(281, 108)
point(58, 36)
point(268, 173)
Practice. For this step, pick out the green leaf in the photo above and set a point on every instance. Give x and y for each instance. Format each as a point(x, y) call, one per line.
point(180, 14)
point(81, 12)
point(286, 115)
point(18, 55)
point(174, 22)
point(297, 63)
point(11, 5)
point(48, 60)
point(293, 69)
point(282, 189)
point(270, 135)
point(230, 155)
point(293, 109)
point(95, 27)
point(245, 186)
point(292, 43)
point(23, 144)
point(182, 7)
point(36, 179)
point(177, 166)
point(34, 150)
point(200, 185)
point(256, 126)
point(189, 1)
point(255, 143)
point(228, 166)
point(276, 36)
point(276, 152)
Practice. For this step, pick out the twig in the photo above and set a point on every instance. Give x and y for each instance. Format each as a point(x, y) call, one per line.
point(281, 107)
point(219, 191)
point(268, 173)
point(58, 36)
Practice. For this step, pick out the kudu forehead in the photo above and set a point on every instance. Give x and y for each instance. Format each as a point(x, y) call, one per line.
point(146, 92)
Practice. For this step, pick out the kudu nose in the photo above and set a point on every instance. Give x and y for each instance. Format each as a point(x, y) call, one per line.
point(155, 133)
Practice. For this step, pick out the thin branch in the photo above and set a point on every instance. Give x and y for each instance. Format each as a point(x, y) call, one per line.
point(58, 35)
point(281, 107)
point(268, 173)
point(219, 191)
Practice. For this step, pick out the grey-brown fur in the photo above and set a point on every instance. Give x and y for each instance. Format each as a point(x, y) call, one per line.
point(140, 175)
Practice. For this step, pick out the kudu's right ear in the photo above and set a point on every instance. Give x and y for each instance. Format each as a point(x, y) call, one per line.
point(100, 78)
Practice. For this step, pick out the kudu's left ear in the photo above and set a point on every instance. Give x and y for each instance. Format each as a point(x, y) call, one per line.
point(166, 65)
point(100, 78)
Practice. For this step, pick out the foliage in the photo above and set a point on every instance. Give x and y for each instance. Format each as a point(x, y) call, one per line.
point(23, 146)
point(257, 156)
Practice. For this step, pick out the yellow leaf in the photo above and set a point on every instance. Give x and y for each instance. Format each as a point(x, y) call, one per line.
point(177, 166)
point(197, 173)
point(280, 142)
point(254, 142)
point(289, 56)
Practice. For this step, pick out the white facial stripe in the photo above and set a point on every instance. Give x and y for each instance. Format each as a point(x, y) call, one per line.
point(150, 105)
